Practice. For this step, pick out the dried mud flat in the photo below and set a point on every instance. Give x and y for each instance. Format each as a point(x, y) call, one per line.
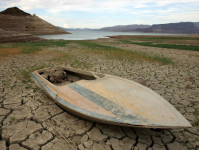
point(30, 120)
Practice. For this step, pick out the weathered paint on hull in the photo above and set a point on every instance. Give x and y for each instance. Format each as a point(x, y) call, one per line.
point(113, 100)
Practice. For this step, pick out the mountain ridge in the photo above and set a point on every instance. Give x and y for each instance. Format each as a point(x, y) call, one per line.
point(124, 28)
point(180, 28)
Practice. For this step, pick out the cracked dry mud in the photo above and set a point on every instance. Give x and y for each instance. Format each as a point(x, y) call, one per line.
point(30, 120)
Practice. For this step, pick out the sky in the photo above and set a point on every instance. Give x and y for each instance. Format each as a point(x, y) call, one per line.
point(104, 13)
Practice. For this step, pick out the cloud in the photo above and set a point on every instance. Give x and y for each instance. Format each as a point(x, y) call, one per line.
point(189, 16)
point(65, 25)
point(55, 6)
point(91, 13)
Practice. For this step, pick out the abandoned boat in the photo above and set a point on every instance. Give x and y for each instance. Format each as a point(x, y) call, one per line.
point(107, 99)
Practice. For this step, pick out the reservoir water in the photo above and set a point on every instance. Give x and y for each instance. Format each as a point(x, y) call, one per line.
point(89, 35)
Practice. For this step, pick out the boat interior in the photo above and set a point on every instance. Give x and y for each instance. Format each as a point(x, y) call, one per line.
point(61, 76)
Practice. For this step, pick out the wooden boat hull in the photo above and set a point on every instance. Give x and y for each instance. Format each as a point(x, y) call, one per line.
point(113, 100)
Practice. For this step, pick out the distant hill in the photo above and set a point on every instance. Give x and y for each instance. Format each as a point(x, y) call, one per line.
point(124, 28)
point(197, 24)
point(78, 29)
point(118, 28)
point(14, 19)
point(179, 28)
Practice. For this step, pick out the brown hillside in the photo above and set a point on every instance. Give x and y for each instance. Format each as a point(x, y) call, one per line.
point(12, 36)
point(14, 11)
point(14, 19)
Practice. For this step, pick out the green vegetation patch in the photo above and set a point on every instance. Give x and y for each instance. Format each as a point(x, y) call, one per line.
point(28, 50)
point(50, 43)
point(118, 53)
point(153, 37)
point(171, 46)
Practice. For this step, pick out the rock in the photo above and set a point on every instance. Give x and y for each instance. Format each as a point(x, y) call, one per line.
point(141, 81)
point(57, 73)
point(2, 145)
point(135, 148)
point(187, 86)
point(176, 146)
point(191, 79)
point(16, 147)
point(114, 131)
point(52, 79)
point(44, 76)
point(96, 135)
point(58, 79)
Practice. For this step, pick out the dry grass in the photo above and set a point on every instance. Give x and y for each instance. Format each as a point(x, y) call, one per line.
point(9, 51)
point(122, 54)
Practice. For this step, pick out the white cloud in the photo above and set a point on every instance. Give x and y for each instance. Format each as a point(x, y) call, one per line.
point(189, 16)
point(65, 25)
point(55, 6)
point(64, 12)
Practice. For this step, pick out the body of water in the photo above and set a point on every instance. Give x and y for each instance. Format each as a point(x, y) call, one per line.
point(89, 35)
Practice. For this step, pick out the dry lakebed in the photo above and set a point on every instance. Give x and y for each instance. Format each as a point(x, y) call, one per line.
point(169, 65)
